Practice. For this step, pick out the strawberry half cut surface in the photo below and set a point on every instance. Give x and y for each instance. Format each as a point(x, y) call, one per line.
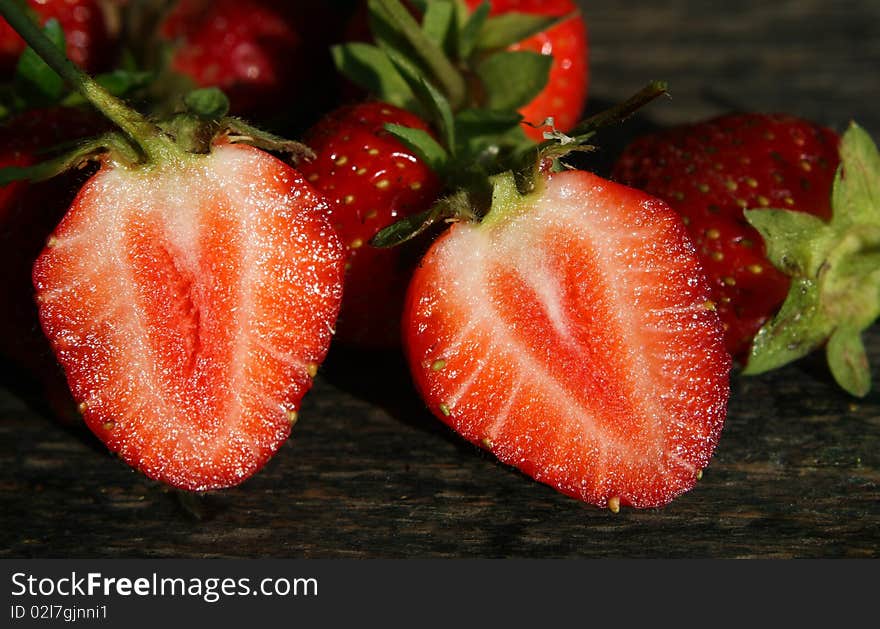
point(571, 333)
point(189, 304)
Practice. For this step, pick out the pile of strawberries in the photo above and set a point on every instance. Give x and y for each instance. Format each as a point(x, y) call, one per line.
point(188, 271)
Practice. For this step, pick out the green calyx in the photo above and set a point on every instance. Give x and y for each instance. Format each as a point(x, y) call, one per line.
point(463, 53)
point(835, 270)
point(505, 199)
point(485, 169)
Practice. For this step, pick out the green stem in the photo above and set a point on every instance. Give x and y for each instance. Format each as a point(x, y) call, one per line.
point(147, 136)
point(622, 111)
point(431, 55)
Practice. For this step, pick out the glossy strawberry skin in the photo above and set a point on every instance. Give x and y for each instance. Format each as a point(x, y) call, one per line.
point(370, 180)
point(566, 92)
point(710, 172)
point(190, 305)
point(88, 38)
point(575, 340)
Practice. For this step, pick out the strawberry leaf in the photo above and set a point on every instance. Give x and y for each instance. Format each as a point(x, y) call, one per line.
point(240, 132)
point(509, 28)
point(798, 329)
point(512, 79)
point(88, 150)
point(423, 145)
point(472, 122)
point(450, 209)
point(835, 270)
point(470, 30)
point(849, 362)
point(394, 28)
point(486, 140)
point(438, 24)
point(856, 193)
point(796, 242)
point(369, 67)
point(437, 108)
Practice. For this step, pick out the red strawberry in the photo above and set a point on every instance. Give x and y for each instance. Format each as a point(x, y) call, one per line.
point(191, 290)
point(190, 304)
point(710, 172)
point(566, 90)
point(261, 53)
point(370, 180)
point(571, 333)
point(85, 28)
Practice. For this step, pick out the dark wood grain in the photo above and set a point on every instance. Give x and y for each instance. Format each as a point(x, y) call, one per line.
point(369, 473)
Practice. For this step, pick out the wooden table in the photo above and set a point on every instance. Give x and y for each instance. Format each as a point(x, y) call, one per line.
point(369, 473)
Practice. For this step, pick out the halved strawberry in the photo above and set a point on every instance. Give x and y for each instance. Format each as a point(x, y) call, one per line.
point(370, 180)
point(571, 333)
point(190, 304)
point(191, 290)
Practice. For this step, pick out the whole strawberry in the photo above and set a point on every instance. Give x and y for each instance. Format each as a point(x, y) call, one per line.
point(710, 173)
point(565, 94)
point(87, 34)
point(786, 219)
point(370, 180)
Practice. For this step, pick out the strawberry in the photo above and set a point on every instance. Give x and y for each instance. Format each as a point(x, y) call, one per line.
point(571, 333)
point(190, 323)
point(710, 173)
point(261, 53)
point(370, 179)
point(721, 175)
point(565, 94)
point(87, 33)
point(191, 289)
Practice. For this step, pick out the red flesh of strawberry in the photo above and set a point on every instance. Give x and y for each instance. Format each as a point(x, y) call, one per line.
point(566, 91)
point(575, 340)
point(710, 172)
point(190, 305)
point(370, 180)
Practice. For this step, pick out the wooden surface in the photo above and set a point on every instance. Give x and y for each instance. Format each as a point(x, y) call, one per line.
point(369, 473)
